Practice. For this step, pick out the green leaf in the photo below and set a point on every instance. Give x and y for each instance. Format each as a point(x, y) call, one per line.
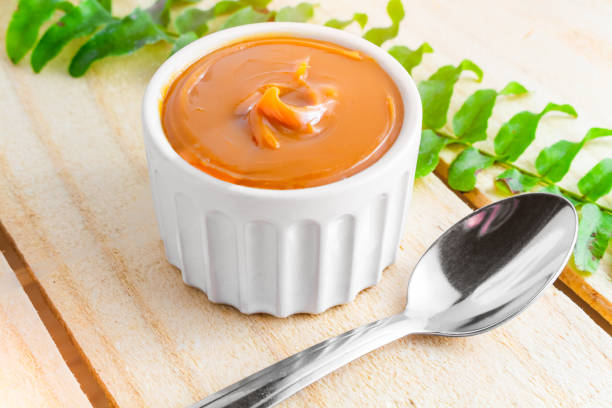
point(463, 170)
point(594, 232)
point(595, 133)
point(429, 152)
point(226, 6)
point(244, 16)
point(118, 38)
point(378, 35)
point(513, 181)
point(360, 18)
point(410, 58)
point(598, 181)
point(106, 4)
point(80, 21)
point(553, 107)
point(25, 23)
point(193, 20)
point(472, 119)
point(513, 88)
point(553, 189)
point(517, 134)
point(183, 40)
point(300, 13)
point(554, 161)
point(196, 20)
point(160, 12)
point(436, 92)
point(258, 4)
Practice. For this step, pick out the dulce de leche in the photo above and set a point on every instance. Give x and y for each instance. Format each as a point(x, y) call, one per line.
point(282, 113)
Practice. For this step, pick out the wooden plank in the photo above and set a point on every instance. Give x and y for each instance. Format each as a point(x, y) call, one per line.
point(65, 345)
point(32, 373)
point(562, 52)
point(74, 195)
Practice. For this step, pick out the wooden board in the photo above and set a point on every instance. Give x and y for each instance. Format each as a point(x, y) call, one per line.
point(32, 371)
point(561, 53)
point(74, 195)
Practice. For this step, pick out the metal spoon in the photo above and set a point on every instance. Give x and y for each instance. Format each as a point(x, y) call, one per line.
point(480, 273)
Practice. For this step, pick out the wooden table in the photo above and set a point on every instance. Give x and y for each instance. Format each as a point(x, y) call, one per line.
point(79, 231)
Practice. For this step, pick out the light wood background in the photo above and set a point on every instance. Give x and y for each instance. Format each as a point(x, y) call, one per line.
point(74, 197)
point(32, 372)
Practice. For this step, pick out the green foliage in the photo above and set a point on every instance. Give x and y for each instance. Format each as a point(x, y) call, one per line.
point(436, 92)
point(120, 37)
point(517, 134)
point(160, 12)
point(25, 23)
point(598, 181)
point(359, 18)
point(300, 13)
point(106, 4)
point(429, 152)
point(471, 120)
point(463, 170)
point(553, 189)
point(470, 126)
point(513, 88)
point(247, 15)
point(594, 232)
point(110, 36)
point(378, 35)
point(183, 40)
point(79, 21)
point(554, 162)
point(513, 181)
point(227, 6)
point(258, 4)
point(194, 20)
point(410, 58)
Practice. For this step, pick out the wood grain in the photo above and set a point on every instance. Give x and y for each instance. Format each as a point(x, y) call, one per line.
point(74, 195)
point(32, 373)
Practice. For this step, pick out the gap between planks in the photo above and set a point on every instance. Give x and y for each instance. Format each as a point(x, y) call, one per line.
point(70, 352)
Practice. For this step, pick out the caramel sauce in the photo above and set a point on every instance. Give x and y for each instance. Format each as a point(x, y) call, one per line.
point(282, 113)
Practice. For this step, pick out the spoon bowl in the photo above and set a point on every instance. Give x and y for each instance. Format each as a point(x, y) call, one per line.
point(480, 273)
point(492, 264)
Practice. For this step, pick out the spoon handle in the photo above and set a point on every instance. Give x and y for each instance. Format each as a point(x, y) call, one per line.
point(271, 385)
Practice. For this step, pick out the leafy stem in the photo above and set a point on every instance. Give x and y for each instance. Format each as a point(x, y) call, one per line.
point(575, 197)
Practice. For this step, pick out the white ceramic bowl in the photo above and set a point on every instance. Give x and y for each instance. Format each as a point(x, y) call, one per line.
point(281, 251)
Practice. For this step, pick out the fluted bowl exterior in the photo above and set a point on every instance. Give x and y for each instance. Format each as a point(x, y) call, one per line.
point(280, 251)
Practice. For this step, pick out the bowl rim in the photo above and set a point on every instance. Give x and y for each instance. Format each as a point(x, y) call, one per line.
point(408, 136)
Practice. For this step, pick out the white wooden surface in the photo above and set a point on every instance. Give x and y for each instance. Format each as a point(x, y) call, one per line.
point(74, 196)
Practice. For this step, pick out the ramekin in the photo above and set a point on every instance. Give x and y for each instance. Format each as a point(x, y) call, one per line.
point(280, 251)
